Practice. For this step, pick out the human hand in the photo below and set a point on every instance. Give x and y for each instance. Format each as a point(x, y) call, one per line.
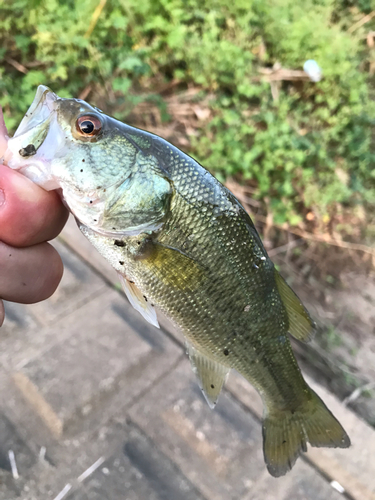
point(30, 268)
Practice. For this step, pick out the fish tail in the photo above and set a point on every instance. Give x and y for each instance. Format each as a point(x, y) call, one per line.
point(287, 432)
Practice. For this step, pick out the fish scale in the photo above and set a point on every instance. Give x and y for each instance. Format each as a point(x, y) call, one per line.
point(181, 241)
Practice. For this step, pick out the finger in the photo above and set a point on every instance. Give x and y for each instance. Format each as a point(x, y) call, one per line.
point(3, 134)
point(28, 213)
point(2, 313)
point(29, 275)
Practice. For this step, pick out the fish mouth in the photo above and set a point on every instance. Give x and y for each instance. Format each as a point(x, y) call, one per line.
point(43, 105)
point(26, 150)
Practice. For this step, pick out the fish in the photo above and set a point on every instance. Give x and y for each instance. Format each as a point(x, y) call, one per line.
point(181, 241)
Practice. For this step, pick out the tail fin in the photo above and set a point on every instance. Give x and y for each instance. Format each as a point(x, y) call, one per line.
point(286, 432)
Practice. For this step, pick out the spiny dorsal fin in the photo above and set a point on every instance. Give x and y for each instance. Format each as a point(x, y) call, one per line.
point(211, 374)
point(138, 301)
point(301, 326)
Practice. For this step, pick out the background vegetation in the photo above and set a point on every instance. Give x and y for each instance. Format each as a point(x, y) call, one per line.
point(299, 154)
point(305, 149)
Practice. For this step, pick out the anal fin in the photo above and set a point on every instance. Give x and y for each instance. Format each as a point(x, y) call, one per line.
point(138, 301)
point(301, 326)
point(211, 374)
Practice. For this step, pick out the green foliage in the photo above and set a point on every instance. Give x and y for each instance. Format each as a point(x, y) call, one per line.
point(310, 149)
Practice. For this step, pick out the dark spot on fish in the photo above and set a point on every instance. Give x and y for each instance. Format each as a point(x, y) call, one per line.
point(121, 262)
point(24, 284)
point(90, 201)
point(212, 386)
point(226, 352)
point(284, 441)
point(131, 282)
point(27, 151)
point(292, 412)
point(114, 228)
point(10, 255)
point(119, 243)
point(83, 160)
point(144, 296)
point(138, 242)
point(95, 220)
point(153, 305)
point(81, 170)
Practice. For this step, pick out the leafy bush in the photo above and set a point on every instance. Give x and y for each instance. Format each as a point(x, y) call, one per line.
point(312, 148)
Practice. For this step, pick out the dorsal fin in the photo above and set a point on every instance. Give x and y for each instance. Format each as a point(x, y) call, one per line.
point(138, 301)
point(301, 326)
point(211, 374)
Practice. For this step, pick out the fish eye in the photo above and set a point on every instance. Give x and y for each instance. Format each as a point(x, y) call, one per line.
point(88, 126)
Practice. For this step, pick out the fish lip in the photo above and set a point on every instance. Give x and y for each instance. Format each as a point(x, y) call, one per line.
point(23, 149)
point(43, 105)
point(33, 128)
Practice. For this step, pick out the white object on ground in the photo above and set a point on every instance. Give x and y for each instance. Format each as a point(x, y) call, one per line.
point(13, 465)
point(42, 453)
point(313, 70)
point(337, 486)
point(63, 492)
point(91, 469)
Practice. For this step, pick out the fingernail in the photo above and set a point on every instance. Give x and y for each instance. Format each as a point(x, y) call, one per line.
point(2, 197)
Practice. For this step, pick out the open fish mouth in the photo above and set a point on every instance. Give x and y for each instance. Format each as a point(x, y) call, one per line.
point(28, 150)
point(43, 105)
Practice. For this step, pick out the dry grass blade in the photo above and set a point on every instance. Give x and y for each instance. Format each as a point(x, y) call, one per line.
point(95, 17)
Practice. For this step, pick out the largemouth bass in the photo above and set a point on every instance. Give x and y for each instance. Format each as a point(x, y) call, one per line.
point(181, 241)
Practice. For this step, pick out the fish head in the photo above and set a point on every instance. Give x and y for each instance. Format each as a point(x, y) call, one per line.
point(108, 182)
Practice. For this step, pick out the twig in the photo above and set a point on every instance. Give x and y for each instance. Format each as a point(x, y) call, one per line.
point(286, 247)
point(330, 241)
point(19, 67)
point(320, 237)
point(34, 64)
point(85, 92)
point(275, 89)
point(361, 22)
point(279, 74)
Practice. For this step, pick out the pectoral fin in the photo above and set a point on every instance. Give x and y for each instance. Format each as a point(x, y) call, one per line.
point(301, 326)
point(211, 374)
point(139, 302)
